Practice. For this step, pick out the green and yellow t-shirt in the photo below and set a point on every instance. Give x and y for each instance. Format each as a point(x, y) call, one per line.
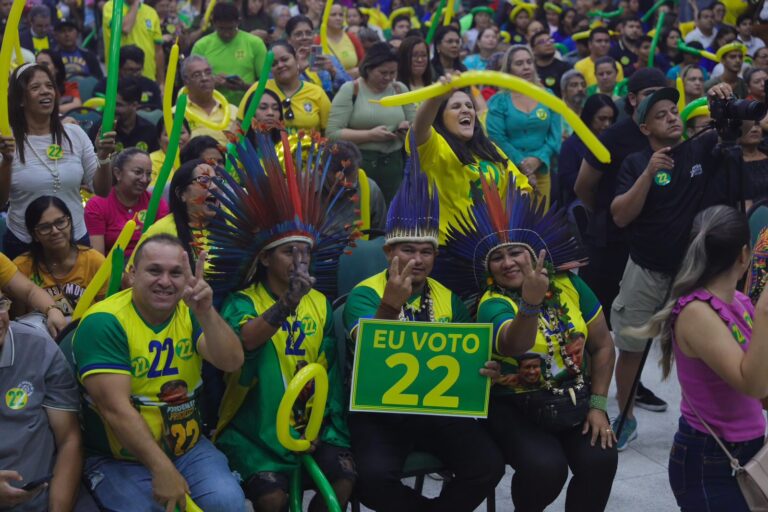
point(524, 373)
point(310, 106)
point(247, 432)
point(365, 298)
point(455, 181)
point(146, 34)
point(164, 366)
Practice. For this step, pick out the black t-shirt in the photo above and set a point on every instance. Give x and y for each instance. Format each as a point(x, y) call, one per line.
point(150, 92)
point(756, 179)
point(659, 235)
point(550, 75)
point(624, 56)
point(143, 136)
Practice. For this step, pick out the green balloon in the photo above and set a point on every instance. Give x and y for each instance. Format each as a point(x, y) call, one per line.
point(258, 93)
point(108, 121)
point(118, 263)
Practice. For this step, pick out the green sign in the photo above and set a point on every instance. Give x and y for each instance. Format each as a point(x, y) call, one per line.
point(421, 368)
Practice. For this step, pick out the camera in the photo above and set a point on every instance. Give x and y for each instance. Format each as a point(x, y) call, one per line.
point(733, 108)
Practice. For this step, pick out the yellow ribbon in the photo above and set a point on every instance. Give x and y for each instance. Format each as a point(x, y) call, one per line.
point(221, 126)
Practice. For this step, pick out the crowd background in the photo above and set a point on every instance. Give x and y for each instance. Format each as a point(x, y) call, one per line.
point(68, 188)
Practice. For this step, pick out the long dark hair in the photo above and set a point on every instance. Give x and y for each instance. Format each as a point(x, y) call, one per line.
point(17, 96)
point(593, 105)
point(32, 216)
point(405, 60)
point(58, 64)
point(478, 147)
point(274, 133)
point(437, 64)
point(717, 237)
point(182, 178)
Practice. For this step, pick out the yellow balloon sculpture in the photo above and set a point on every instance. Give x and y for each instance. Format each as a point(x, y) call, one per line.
point(513, 83)
point(10, 42)
point(297, 384)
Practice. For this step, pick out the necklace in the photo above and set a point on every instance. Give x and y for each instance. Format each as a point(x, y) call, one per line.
point(425, 313)
point(53, 170)
point(222, 125)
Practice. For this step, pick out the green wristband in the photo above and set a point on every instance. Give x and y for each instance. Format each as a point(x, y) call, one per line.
point(598, 402)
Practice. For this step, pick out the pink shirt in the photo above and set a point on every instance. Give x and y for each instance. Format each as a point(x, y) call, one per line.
point(106, 216)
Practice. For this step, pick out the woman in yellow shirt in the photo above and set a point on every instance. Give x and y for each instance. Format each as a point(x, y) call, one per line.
point(158, 157)
point(344, 46)
point(55, 262)
point(305, 105)
point(454, 149)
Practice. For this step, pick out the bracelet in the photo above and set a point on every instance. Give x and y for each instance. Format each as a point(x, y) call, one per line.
point(527, 309)
point(390, 310)
point(598, 402)
point(105, 161)
point(276, 314)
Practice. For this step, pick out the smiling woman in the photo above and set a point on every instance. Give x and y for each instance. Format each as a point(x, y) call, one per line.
point(51, 158)
point(55, 262)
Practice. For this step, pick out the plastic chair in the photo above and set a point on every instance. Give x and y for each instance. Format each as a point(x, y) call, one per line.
point(153, 116)
point(85, 117)
point(364, 261)
point(87, 84)
point(758, 218)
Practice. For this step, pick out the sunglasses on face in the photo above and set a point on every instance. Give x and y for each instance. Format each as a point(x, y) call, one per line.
point(288, 110)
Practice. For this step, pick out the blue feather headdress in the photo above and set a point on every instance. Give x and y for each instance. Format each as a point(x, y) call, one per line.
point(267, 204)
point(414, 215)
point(490, 224)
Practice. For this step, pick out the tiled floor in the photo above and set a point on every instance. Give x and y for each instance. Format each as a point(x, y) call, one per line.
point(641, 482)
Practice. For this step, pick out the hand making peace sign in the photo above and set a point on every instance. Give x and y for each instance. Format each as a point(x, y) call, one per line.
point(197, 293)
point(399, 284)
point(535, 279)
point(300, 282)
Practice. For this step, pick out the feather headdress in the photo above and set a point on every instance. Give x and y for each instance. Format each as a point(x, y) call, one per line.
point(268, 204)
point(491, 224)
point(414, 214)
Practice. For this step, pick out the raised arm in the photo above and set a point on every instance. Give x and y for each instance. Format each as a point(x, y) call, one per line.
point(626, 207)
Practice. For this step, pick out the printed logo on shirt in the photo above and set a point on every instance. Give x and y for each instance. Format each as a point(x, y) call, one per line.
point(148, 23)
point(550, 81)
point(142, 145)
point(696, 170)
point(542, 114)
point(662, 178)
point(240, 54)
point(183, 349)
point(145, 97)
point(309, 325)
point(18, 397)
point(624, 60)
point(139, 366)
point(307, 107)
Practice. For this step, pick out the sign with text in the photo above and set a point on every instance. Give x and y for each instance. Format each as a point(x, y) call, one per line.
point(421, 368)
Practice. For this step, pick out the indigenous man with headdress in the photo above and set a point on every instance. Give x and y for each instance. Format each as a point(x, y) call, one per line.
point(405, 292)
point(520, 258)
point(264, 235)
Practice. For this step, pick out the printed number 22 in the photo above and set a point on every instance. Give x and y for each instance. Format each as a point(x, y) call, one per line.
point(436, 397)
point(160, 348)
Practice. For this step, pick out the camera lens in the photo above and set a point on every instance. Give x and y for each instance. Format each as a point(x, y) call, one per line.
point(745, 110)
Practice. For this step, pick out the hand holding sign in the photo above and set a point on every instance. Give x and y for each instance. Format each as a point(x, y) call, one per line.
point(399, 286)
point(197, 293)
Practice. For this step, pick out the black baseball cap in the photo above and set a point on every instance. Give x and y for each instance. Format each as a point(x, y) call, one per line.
point(60, 24)
point(645, 78)
point(667, 93)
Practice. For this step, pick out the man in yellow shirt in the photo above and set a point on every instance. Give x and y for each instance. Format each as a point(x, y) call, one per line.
point(208, 112)
point(141, 27)
point(599, 44)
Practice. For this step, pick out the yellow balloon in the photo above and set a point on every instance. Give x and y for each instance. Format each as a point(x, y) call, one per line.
point(9, 45)
point(95, 103)
point(449, 10)
point(297, 384)
point(324, 28)
point(680, 89)
point(170, 80)
point(513, 83)
point(207, 15)
point(102, 275)
point(192, 506)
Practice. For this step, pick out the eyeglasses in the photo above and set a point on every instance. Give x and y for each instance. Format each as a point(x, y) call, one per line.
point(60, 224)
point(5, 304)
point(205, 180)
point(541, 41)
point(287, 110)
point(197, 75)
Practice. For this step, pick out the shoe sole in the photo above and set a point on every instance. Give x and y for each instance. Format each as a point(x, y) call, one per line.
point(651, 407)
point(632, 437)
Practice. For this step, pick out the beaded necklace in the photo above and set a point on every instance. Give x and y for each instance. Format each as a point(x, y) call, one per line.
point(555, 327)
point(425, 312)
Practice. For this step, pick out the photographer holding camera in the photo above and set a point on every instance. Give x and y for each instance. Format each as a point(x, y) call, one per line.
point(659, 192)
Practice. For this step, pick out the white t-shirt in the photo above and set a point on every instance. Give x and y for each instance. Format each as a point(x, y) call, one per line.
point(32, 179)
point(754, 44)
point(697, 35)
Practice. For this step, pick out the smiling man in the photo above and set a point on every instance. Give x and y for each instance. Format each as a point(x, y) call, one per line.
point(206, 114)
point(659, 191)
point(139, 355)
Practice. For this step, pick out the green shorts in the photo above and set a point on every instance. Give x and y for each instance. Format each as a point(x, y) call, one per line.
point(641, 294)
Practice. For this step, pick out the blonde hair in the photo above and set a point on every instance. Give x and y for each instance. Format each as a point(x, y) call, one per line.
point(506, 61)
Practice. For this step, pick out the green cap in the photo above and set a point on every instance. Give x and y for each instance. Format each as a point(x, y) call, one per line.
point(666, 93)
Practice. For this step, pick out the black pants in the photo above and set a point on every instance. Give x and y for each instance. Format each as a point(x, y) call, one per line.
point(604, 272)
point(541, 461)
point(381, 443)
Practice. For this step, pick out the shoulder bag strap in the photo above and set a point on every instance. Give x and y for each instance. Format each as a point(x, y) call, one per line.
point(734, 462)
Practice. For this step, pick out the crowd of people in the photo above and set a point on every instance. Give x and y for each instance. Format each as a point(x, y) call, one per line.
point(488, 205)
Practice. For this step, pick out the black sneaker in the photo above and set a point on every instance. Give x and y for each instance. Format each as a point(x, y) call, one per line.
point(645, 399)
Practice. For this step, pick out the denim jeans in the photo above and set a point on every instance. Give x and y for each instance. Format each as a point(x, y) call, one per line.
point(700, 473)
point(127, 486)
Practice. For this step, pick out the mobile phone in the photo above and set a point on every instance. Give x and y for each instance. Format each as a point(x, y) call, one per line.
point(34, 484)
point(315, 51)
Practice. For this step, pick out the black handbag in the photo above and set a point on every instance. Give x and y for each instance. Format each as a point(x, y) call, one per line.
point(554, 413)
